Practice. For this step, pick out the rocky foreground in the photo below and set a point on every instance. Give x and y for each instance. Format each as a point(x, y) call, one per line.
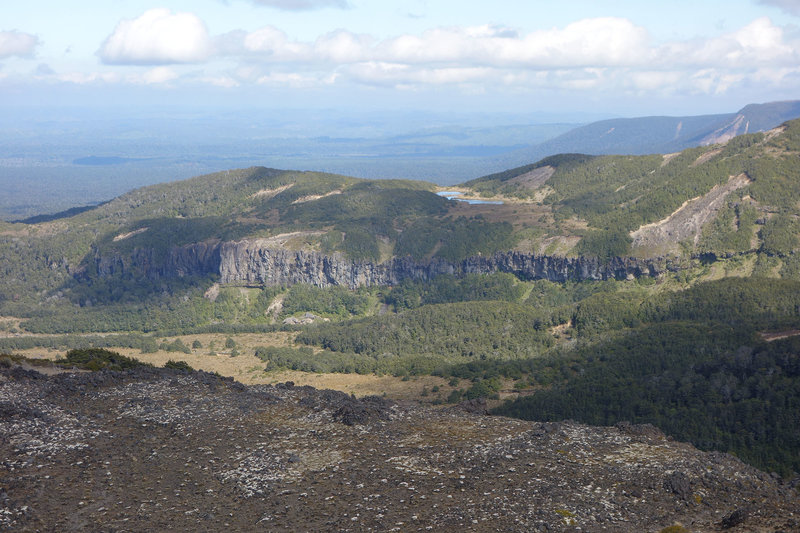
point(158, 450)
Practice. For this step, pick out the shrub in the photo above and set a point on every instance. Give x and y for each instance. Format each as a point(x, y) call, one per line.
point(99, 359)
point(178, 365)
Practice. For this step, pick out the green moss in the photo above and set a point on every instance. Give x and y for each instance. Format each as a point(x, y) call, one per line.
point(674, 529)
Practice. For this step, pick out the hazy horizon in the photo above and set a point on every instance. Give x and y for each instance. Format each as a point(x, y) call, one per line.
point(418, 88)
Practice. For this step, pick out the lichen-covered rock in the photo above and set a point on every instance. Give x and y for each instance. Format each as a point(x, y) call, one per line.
point(157, 450)
point(677, 483)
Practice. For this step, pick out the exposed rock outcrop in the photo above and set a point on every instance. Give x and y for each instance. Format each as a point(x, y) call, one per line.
point(247, 262)
point(689, 220)
point(197, 259)
point(252, 262)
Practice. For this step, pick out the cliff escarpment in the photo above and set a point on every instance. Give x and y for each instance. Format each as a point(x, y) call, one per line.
point(253, 262)
point(197, 259)
point(247, 262)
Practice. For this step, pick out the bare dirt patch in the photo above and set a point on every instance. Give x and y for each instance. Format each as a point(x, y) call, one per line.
point(669, 157)
point(294, 240)
point(770, 336)
point(16, 230)
point(535, 178)
point(688, 220)
point(727, 132)
point(276, 306)
point(708, 156)
point(123, 236)
point(519, 214)
point(557, 246)
point(270, 193)
point(9, 326)
point(312, 197)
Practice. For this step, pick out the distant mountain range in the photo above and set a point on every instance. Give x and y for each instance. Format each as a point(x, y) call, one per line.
point(656, 135)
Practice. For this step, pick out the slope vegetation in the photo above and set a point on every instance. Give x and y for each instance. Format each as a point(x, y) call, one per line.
point(747, 182)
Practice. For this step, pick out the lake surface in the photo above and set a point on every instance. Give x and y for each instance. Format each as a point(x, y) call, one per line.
point(454, 195)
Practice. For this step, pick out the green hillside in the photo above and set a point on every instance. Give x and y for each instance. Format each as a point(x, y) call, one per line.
point(685, 349)
point(616, 195)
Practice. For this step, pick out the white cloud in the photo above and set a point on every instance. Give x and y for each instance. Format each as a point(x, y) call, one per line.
point(300, 5)
point(591, 42)
point(158, 37)
point(159, 75)
point(84, 78)
point(598, 42)
point(599, 54)
point(761, 41)
point(295, 80)
point(343, 47)
point(16, 43)
point(398, 74)
point(606, 42)
point(649, 80)
point(225, 82)
point(603, 55)
point(758, 43)
point(271, 44)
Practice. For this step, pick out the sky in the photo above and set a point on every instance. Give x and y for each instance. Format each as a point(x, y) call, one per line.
point(621, 57)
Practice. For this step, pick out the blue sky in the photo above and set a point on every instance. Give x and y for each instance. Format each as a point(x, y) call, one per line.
point(621, 57)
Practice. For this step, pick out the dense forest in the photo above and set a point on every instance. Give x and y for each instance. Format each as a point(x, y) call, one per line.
point(714, 385)
point(691, 362)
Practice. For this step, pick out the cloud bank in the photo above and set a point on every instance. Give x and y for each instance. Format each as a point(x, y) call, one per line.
point(599, 53)
point(609, 55)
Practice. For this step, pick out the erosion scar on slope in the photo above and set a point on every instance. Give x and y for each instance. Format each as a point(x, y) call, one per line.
point(688, 220)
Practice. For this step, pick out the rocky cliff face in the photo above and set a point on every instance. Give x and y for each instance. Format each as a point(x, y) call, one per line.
point(251, 262)
point(248, 262)
point(197, 259)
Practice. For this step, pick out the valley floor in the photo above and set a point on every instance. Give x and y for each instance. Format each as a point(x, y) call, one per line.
point(248, 369)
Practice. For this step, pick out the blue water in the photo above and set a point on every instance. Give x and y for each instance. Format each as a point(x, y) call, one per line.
point(454, 195)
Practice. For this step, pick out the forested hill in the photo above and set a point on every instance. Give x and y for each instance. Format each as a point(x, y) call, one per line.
point(722, 199)
point(735, 198)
